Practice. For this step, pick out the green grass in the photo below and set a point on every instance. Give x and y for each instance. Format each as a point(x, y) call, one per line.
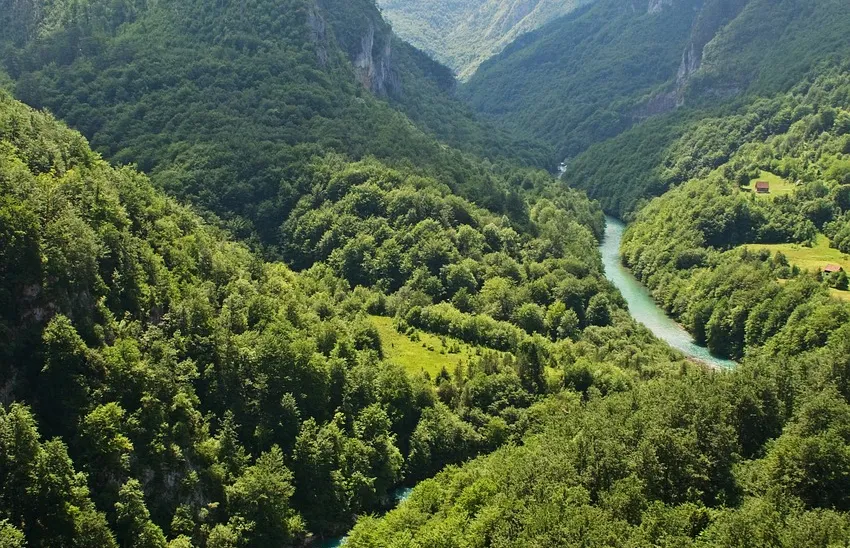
point(808, 258)
point(840, 295)
point(428, 354)
point(811, 258)
point(778, 185)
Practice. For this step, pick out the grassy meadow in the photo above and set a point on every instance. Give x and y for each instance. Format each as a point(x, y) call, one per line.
point(778, 185)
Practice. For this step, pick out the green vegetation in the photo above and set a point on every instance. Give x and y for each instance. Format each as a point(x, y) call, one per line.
point(615, 87)
point(164, 385)
point(420, 351)
point(169, 380)
point(810, 258)
point(778, 185)
point(226, 107)
point(754, 457)
point(584, 78)
point(683, 245)
point(464, 33)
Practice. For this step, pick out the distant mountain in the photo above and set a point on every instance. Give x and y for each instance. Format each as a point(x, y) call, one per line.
point(594, 74)
point(226, 103)
point(464, 33)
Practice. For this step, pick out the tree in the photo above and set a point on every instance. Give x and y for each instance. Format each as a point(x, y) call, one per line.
point(261, 497)
point(135, 528)
point(231, 453)
point(66, 377)
point(372, 427)
point(11, 536)
point(531, 360)
point(529, 317)
point(598, 310)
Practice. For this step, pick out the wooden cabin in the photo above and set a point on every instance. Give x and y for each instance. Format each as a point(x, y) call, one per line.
point(832, 269)
point(762, 187)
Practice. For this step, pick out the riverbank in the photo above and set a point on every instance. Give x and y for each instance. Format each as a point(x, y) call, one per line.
point(643, 307)
point(399, 496)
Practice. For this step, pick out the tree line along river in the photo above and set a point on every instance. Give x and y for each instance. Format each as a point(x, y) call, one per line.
point(642, 307)
point(641, 304)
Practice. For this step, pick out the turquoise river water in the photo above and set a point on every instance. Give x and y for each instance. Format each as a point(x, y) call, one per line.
point(641, 304)
point(642, 308)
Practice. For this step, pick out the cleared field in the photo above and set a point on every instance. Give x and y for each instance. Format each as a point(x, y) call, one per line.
point(840, 295)
point(428, 354)
point(811, 258)
point(808, 258)
point(778, 185)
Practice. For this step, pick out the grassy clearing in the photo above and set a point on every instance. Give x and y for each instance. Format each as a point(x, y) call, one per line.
point(778, 185)
point(811, 258)
point(808, 258)
point(429, 353)
point(840, 295)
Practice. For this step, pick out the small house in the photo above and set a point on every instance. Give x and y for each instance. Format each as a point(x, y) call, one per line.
point(832, 269)
point(763, 187)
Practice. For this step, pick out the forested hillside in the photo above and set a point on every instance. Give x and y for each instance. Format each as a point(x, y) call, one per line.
point(161, 382)
point(227, 104)
point(754, 457)
point(464, 33)
point(592, 75)
point(324, 279)
point(800, 144)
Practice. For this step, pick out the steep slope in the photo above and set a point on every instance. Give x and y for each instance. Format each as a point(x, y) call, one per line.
point(180, 379)
point(770, 49)
point(464, 33)
point(583, 78)
point(756, 456)
point(588, 77)
point(226, 104)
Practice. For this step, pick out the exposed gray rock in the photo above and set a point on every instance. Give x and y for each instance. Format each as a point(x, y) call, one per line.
point(656, 6)
point(373, 64)
point(318, 33)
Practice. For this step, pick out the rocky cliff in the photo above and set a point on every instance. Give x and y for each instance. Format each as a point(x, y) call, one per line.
point(365, 37)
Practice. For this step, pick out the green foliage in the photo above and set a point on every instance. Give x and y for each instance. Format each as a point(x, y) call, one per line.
point(585, 77)
point(227, 106)
point(156, 348)
point(42, 497)
point(261, 497)
point(133, 519)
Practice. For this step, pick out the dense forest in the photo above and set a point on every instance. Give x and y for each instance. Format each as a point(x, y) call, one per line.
point(700, 266)
point(227, 106)
point(599, 71)
point(168, 383)
point(269, 270)
point(753, 457)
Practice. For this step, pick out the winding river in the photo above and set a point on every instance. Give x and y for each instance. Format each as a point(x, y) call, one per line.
point(641, 304)
point(642, 308)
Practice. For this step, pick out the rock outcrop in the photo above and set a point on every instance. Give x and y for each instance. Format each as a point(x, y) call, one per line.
point(373, 63)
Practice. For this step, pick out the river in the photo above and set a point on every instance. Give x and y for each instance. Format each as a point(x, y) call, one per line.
point(643, 309)
point(641, 304)
point(399, 496)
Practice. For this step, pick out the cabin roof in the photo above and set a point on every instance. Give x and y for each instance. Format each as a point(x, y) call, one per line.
point(832, 268)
